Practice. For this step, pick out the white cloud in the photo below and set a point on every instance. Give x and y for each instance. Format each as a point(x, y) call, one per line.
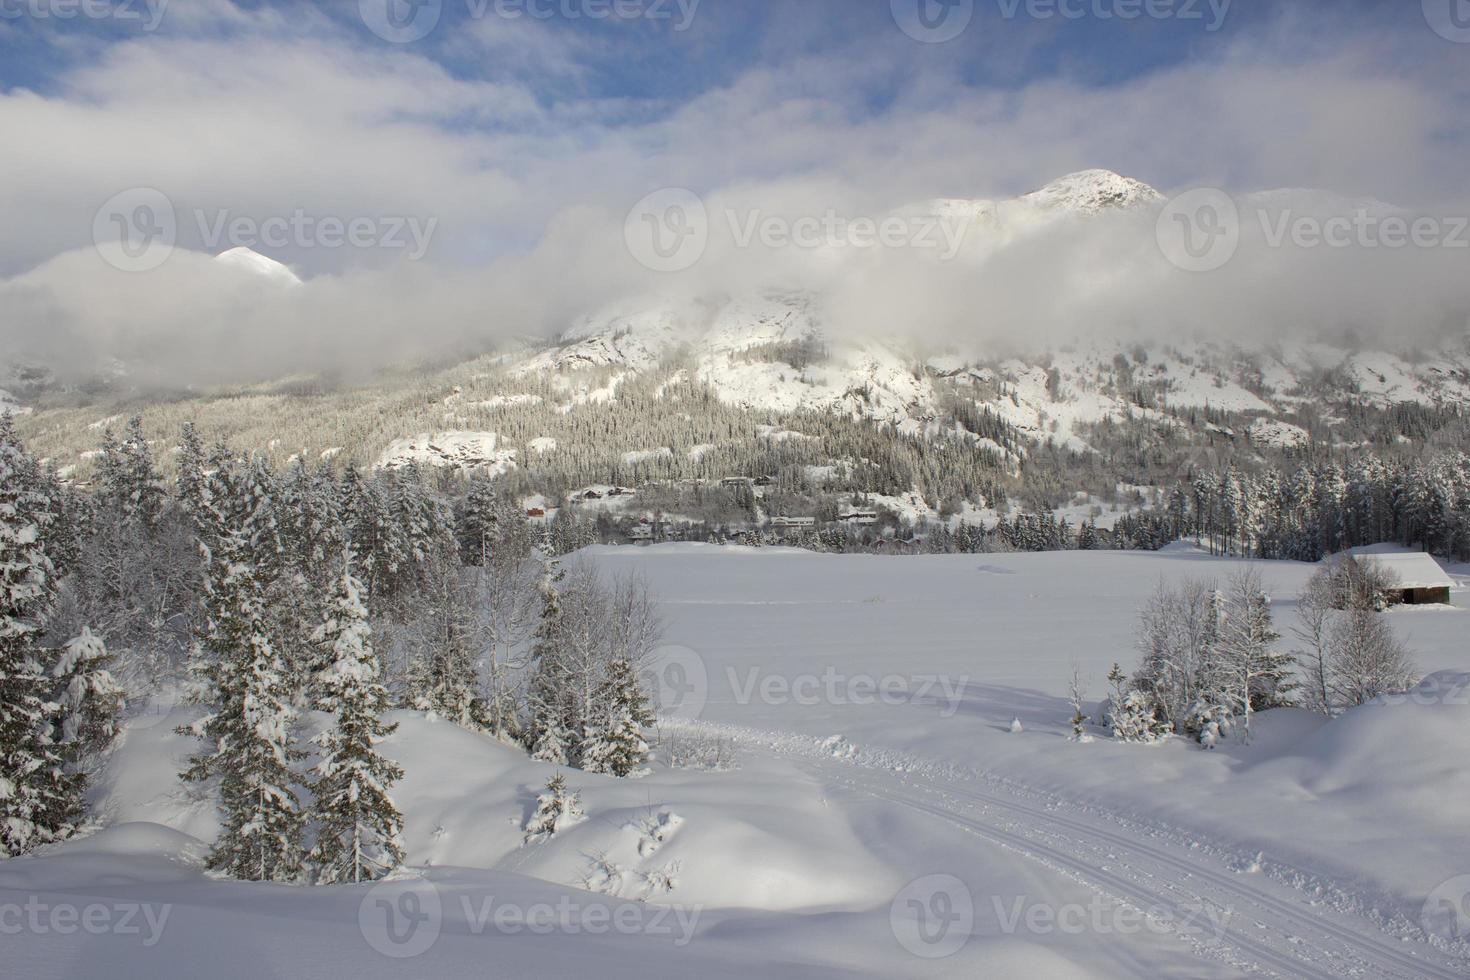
point(262, 114)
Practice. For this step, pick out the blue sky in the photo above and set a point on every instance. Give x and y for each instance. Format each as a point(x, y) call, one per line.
point(660, 58)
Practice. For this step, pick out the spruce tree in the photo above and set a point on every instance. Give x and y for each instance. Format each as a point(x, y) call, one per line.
point(548, 734)
point(556, 809)
point(478, 523)
point(359, 827)
point(40, 801)
point(248, 732)
point(87, 697)
point(191, 483)
point(615, 743)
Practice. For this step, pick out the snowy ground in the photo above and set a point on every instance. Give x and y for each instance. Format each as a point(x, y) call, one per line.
point(883, 818)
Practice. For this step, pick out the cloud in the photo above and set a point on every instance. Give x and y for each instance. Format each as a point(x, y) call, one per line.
point(527, 167)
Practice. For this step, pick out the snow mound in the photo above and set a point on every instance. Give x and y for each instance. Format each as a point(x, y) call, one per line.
point(123, 854)
point(1374, 755)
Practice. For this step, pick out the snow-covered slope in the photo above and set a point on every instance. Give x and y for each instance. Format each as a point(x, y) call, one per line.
point(875, 779)
point(469, 451)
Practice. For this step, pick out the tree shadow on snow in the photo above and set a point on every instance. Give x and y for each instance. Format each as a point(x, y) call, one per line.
point(998, 705)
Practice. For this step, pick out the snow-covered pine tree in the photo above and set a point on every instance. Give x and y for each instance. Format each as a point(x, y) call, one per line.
point(445, 643)
point(128, 478)
point(1077, 697)
point(87, 697)
point(1087, 536)
point(39, 800)
point(359, 829)
point(614, 744)
point(377, 545)
point(478, 523)
point(556, 809)
point(553, 741)
point(248, 732)
point(547, 735)
point(1247, 673)
point(1133, 714)
point(191, 483)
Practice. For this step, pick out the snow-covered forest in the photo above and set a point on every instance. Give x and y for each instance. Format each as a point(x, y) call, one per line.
point(270, 596)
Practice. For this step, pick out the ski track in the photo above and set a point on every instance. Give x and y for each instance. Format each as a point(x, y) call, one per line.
point(1280, 925)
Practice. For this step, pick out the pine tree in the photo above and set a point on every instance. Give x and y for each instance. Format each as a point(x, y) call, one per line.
point(615, 744)
point(191, 483)
point(87, 697)
point(248, 732)
point(359, 827)
point(552, 738)
point(1133, 714)
point(1087, 536)
point(556, 809)
point(548, 734)
point(478, 523)
point(128, 477)
point(40, 801)
point(444, 672)
point(1078, 699)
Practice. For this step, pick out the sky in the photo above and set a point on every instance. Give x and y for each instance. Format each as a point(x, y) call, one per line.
point(490, 153)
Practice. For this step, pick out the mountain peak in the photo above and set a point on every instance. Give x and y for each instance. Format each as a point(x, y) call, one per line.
point(1091, 191)
point(253, 262)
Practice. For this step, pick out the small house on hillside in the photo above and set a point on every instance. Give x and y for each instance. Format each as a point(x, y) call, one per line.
point(1418, 579)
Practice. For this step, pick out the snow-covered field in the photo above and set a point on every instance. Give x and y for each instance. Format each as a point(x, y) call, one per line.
point(899, 798)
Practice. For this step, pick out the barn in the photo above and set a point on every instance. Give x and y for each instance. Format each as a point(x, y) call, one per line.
point(1418, 579)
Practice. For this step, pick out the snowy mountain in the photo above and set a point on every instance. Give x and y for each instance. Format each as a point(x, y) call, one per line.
point(774, 350)
point(661, 387)
point(252, 262)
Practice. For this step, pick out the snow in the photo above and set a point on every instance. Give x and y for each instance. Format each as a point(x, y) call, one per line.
point(456, 450)
point(8, 403)
point(637, 456)
point(504, 401)
point(901, 736)
point(251, 262)
point(1091, 191)
point(1278, 434)
point(1410, 569)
